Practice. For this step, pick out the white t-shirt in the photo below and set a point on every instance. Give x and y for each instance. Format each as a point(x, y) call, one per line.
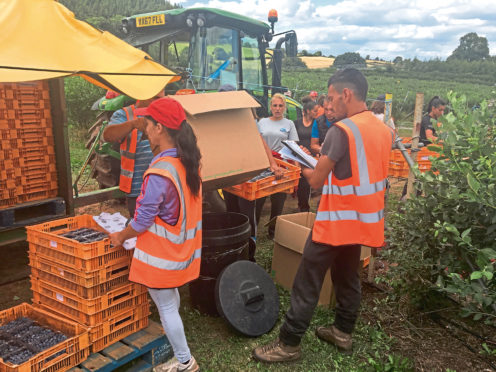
point(273, 132)
point(390, 123)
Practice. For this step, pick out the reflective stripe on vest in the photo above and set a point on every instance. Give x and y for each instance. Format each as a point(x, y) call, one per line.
point(128, 154)
point(164, 264)
point(350, 216)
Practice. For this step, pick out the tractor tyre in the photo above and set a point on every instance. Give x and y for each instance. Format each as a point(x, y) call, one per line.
point(106, 168)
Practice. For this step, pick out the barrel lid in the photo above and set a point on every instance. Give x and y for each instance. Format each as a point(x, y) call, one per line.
point(247, 298)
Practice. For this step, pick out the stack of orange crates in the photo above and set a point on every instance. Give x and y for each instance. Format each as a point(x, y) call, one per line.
point(85, 282)
point(269, 185)
point(27, 155)
point(398, 167)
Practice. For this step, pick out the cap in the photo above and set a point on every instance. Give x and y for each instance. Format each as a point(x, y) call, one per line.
point(313, 93)
point(165, 111)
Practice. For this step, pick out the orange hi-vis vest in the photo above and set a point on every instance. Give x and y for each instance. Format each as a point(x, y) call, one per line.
point(169, 256)
point(351, 211)
point(128, 154)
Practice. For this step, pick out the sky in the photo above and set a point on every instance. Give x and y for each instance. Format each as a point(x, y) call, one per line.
point(425, 29)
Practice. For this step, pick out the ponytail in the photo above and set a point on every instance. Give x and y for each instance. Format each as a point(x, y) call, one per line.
point(435, 102)
point(189, 154)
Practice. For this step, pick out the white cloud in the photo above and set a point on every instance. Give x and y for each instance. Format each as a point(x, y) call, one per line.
point(386, 28)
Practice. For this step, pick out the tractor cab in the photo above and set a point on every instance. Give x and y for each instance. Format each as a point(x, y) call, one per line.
point(211, 48)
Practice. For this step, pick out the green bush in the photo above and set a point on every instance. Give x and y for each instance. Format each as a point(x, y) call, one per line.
point(80, 96)
point(445, 239)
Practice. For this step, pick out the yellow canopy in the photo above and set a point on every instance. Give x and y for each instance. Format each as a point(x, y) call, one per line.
point(41, 39)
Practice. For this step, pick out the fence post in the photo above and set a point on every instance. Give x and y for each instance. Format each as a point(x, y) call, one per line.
point(417, 118)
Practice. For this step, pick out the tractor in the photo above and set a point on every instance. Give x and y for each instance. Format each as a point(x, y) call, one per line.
point(209, 48)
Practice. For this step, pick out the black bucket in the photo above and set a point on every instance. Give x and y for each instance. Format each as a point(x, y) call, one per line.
point(224, 241)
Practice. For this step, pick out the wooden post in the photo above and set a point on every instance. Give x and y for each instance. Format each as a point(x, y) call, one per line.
point(388, 107)
point(417, 118)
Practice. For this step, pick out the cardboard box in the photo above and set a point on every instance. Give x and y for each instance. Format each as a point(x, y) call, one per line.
point(291, 233)
point(228, 137)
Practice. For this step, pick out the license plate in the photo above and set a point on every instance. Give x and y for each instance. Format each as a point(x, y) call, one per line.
point(151, 20)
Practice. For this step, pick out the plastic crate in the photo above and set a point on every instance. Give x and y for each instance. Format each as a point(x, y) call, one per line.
point(48, 235)
point(139, 303)
point(75, 262)
point(60, 357)
point(80, 278)
point(116, 328)
point(37, 195)
point(269, 185)
point(89, 306)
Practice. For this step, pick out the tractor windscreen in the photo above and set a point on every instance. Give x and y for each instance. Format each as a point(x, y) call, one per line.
point(214, 57)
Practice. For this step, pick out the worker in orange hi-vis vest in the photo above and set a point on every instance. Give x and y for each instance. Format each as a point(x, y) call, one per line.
point(168, 221)
point(127, 129)
point(352, 169)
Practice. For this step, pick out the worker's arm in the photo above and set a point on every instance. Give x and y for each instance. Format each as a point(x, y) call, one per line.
point(117, 132)
point(430, 134)
point(278, 171)
point(315, 146)
point(317, 177)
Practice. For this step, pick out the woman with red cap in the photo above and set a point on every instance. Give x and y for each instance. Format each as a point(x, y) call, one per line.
point(167, 222)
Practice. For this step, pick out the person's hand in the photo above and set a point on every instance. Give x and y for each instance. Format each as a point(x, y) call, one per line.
point(305, 150)
point(116, 239)
point(278, 172)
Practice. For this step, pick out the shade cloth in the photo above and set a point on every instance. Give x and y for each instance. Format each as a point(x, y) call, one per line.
point(41, 39)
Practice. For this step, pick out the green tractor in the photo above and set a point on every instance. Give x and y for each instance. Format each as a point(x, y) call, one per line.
point(210, 48)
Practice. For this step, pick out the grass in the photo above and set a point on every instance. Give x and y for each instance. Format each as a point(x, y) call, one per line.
point(78, 151)
point(218, 347)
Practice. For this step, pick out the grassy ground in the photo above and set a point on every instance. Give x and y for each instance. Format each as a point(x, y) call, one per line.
point(218, 347)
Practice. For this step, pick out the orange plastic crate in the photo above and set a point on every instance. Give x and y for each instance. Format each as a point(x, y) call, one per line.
point(75, 262)
point(48, 235)
point(60, 357)
point(269, 185)
point(116, 328)
point(78, 290)
point(138, 303)
point(88, 306)
point(38, 195)
point(86, 279)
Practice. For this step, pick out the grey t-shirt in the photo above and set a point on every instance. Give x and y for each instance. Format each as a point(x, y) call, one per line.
point(336, 148)
point(273, 132)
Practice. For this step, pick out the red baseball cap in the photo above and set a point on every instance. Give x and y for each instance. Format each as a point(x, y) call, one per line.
point(165, 111)
point(313, 93)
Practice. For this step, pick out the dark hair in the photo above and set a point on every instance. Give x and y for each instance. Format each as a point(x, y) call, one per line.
point(189, 154)
point(352, 79)
point(308, 106)
point(378, 105)
point(321, 99)
point(435, 102)
point(306, 99)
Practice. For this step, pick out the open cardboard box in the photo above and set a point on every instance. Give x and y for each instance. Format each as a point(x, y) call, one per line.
point(291, 233)
point(228, 138)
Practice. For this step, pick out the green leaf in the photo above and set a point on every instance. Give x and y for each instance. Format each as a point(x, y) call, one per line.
point(473, 183)
point(489, 253)
point(476, 275)
point(477, 316)
point(465, 233)
point(488, 275)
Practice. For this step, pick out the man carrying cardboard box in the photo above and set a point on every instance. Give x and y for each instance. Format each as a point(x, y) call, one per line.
point(352, 170)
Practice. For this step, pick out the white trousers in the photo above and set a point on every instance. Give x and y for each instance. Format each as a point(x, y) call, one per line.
point(167, 302)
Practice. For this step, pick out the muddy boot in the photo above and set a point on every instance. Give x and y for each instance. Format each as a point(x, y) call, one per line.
point(336, 337)
point(277, 351)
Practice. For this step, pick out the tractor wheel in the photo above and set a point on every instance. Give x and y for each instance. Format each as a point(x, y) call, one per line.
point(106, 168)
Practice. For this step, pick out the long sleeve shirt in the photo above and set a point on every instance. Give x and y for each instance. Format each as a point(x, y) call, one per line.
point(159, 197)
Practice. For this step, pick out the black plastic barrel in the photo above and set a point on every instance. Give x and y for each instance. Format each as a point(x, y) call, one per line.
point(224, 241)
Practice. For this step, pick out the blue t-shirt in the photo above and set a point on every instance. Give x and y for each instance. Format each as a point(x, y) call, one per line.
point(143, 158)
point(315, 128)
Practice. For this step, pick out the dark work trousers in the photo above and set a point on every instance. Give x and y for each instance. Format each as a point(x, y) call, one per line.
point(276, 206)
point(303, 194)
point(131, 205)
point(317, 258)
point(237, 204)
